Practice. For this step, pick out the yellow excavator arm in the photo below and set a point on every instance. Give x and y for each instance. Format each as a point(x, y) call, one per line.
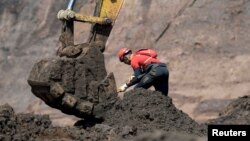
point(103, 19)
point(109, 10)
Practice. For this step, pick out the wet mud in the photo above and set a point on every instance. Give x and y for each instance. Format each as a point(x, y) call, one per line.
point(142, 115)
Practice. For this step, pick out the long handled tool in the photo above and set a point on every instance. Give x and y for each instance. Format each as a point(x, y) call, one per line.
point(71, 4)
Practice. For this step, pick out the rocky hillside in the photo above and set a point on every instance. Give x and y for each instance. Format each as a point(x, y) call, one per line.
point(204, 42)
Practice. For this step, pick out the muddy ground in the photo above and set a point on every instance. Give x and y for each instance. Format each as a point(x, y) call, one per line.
point(145, 111)
point(142, 115)
point(141, 111)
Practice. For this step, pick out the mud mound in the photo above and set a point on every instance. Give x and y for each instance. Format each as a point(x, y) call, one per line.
point(144, 111)
point(73, 85)
point(237, 112)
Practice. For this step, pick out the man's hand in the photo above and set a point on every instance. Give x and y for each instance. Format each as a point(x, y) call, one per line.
point(123, 88)
point(131, 78)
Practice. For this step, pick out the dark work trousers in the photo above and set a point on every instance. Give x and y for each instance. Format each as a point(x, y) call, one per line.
point(156, 76)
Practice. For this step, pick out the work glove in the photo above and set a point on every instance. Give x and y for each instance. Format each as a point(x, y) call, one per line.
point(123, 88)
point(131, 78)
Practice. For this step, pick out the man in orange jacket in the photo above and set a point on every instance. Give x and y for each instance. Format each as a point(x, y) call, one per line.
point(148, 70)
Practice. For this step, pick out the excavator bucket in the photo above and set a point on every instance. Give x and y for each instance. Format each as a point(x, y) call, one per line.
point(78, 84)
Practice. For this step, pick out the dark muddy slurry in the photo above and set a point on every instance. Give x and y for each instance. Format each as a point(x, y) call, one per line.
point(237, 112)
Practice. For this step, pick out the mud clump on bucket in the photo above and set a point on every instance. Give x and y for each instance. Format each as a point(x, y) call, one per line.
point(73, 85)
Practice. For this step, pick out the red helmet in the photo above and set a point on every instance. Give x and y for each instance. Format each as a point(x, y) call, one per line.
point(123, 52)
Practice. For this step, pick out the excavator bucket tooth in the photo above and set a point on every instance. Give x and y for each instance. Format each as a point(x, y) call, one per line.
point(69, 101)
